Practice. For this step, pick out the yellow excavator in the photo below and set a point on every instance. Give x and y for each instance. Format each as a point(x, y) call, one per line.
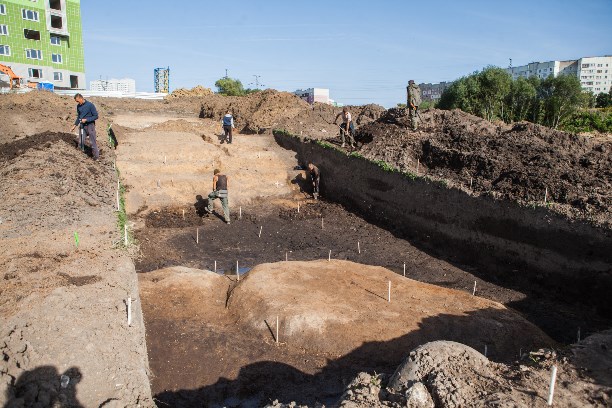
point(15, 81)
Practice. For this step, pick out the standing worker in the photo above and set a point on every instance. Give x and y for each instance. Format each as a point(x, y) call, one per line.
point(220, 184)
point(228, 125)
point(86, 118)
point(315, 177)
point(413, 96)
point(346, 128)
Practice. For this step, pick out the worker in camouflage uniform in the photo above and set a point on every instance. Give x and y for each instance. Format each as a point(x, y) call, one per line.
point(413, 93)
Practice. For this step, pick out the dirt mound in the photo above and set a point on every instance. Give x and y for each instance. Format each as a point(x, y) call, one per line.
point(300, 294)
point(34, 112)
point(524, 162)
point(198, 91)
point(263, 111)
point(256, 112)
point(317, 122)
point(63, 285)
point(447, 374)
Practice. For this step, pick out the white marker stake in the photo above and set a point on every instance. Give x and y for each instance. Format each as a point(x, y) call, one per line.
point(579, 335)
point(125, 235)
point(164, 159)
point(485, 354)
point(237, 273)
point(276, 330)
point(474, 291)
point(329, 256)
point(418, 164)
point(298, 206)
point(404, 269)
point(260, 229)
point(470, 183)
point(358, 247)
point(389, 294)
point(183, 214)
point(197, 235)
point(286, 256)
point(129, 310)
point(215, 266)
point(321, 222)
point(240, 213)
point(118, 201)
point(553, 380)
point(545, 198)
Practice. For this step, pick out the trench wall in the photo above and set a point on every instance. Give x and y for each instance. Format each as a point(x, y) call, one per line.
point(512, 243)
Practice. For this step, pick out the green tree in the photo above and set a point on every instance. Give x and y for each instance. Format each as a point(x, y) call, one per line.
point(230, 87)
point(494, 87)
point(519, 101)
point(604, 100)
point(561, 96)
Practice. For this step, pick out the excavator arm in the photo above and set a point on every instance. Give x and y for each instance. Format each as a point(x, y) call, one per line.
point(14, 79)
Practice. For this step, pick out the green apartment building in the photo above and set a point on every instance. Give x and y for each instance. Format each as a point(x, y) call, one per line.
point(42, 41)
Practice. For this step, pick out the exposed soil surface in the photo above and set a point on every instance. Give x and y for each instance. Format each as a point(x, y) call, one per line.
point(63, 308)
point(62, 302)
point(213, 337)
point(525, 162)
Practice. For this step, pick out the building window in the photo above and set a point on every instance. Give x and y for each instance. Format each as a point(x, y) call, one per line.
point(5, 50)
point(58, 76)
point(34, 54)
point(2, 9)
point(35, 73)
point(31, 34)
point(3, 29)
point(55, 4)
point(57, 58)
point(29, 15)
point(55, 40)
point(57, 22)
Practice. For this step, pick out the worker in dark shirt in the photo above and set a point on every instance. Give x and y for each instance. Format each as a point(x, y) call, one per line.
point(86, 117)
point(315, 177)
point(220, 185)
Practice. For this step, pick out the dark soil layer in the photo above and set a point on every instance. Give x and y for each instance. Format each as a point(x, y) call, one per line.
point(194, 356)
point(40, 141)
point(168, 240)
point(522, 163)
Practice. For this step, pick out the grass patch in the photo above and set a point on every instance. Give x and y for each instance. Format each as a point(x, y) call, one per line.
point(122, 215)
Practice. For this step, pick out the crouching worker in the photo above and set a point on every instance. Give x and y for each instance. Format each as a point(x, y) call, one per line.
point(315, 177)
point(220, 183)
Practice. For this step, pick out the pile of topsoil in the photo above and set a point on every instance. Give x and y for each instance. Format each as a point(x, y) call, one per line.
point(523, 162)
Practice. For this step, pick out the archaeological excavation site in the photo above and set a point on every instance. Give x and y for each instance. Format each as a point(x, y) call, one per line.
point(464, 264)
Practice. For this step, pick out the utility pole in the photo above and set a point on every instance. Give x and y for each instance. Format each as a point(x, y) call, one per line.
point(225, 73)
point(257, 84)
point(510, 63)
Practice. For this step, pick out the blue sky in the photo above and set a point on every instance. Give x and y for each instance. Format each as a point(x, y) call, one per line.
point(363, 51)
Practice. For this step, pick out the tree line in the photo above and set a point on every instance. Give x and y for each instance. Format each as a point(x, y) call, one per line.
point(557, 102)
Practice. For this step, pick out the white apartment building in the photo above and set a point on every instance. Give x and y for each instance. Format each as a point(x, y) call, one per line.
point(312, 95)
point(594, 73)
point(125, 85)
point(433, 92)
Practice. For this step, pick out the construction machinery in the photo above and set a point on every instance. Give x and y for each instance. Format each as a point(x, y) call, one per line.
point(15, 81)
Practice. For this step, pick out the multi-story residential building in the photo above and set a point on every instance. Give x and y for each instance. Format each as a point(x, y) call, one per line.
point(594, 73)
point(42, 41)
point(433, 92)
point(312, 95)
point(125, 85)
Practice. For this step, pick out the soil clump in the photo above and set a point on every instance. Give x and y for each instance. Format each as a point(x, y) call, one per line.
point(524, 162)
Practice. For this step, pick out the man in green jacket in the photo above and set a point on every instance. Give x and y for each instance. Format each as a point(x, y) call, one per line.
point(413, 94)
